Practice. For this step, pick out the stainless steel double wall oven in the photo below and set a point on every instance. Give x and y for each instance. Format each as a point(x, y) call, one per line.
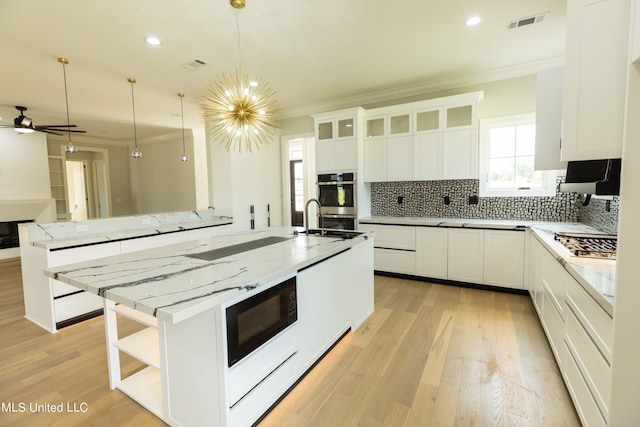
point(337, 195)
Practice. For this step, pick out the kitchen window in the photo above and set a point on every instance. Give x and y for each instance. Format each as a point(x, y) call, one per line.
point(507, 154)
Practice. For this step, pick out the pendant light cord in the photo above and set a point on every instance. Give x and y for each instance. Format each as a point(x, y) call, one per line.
point(66, 100)
point(133, 103)
point(184, 150)
point(238, 37)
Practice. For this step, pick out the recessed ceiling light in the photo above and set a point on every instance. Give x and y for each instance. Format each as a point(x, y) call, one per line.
point(153, 41)
point(474, 20)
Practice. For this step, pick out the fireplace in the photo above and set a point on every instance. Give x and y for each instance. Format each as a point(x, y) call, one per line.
point(9, 234)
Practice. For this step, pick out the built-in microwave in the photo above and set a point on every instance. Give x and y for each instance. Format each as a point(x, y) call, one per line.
point(255, 320)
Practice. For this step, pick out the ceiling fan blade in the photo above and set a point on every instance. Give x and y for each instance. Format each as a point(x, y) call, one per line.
point(55, 126)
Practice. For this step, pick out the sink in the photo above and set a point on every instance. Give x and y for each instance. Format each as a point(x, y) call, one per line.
point(332, 232)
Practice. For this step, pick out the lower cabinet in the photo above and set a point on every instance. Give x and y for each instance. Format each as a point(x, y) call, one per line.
point(466, 255)
point(489, 257)
point(431, 248)
point(579, 330)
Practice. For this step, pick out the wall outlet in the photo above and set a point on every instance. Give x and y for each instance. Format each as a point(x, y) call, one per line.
point(82, 228)
point(400, 200)
point(473, 200)
point(146, 221)
point(447, 200)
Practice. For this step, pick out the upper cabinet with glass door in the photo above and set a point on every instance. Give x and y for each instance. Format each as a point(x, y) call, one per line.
point(337, 134)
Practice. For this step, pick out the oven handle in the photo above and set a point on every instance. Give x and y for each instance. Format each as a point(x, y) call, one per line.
point(336, 183)
point(339, 216)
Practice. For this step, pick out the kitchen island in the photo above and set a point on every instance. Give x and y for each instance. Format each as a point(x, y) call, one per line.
point(52, 304)
point(182, 293)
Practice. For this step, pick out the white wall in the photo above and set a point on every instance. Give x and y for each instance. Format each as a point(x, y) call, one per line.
point(160, 182)
point(24, 166)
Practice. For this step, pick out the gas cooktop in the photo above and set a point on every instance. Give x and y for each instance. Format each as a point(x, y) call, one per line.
point(589, 245)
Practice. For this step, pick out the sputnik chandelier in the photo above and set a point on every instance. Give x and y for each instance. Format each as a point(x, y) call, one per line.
point(239, 110)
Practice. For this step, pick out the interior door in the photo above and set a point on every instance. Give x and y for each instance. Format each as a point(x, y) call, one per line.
point(296, 175)
point(77, 190)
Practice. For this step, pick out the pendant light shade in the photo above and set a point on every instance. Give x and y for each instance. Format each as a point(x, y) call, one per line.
point(184, 157)
point(136, 154)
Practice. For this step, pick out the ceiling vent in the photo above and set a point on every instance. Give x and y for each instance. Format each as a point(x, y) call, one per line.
point(194, 65)
point(512, 25)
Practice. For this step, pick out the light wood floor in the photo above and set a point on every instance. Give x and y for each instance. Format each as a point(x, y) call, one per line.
point(429, 355)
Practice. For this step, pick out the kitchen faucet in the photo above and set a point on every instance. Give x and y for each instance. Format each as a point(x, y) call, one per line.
point(306, 216)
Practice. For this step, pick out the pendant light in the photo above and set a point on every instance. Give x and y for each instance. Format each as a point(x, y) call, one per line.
point(69, 148)
point(185, 156)
point(136, 154)
point(239, 111)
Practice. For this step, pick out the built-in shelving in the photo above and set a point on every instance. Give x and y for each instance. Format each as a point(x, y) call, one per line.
point(136, 315)
point(142, 345)
point(145, 387)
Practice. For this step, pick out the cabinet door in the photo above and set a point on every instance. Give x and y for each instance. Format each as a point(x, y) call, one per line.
point(459, 155)
point(324, 130)
point(312, 314)
point(427, 156)
point(431, 252)
point(400, 158)
point(375, 159)
point(504, 258)
point(339, 295)
point(325, 156)
point(457, 117)
point(465, 255)
point(346, 127)
point(549, 119)
point(345, 155)
point(595, 79)
point(429, 120)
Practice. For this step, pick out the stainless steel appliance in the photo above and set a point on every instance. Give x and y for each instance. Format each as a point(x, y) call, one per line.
point(589, 245)
point(255, 320)
point(337, 195)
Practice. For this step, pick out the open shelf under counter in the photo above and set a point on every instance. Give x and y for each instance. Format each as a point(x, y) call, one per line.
point(142, 345)
point(145, 387)
point(136, 315)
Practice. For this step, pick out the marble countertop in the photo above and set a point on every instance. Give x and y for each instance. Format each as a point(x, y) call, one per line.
point(56, 236)
point(168, 283)
point(596, 276)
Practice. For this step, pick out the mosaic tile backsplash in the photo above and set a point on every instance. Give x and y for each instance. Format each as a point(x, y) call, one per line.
point(426, 199)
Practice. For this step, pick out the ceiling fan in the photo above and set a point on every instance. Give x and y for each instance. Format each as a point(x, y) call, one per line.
point(24, 124)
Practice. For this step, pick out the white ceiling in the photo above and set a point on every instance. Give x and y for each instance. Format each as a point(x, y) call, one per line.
point(317, 55)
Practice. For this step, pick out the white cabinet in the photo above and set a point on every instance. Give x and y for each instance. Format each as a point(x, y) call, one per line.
point(465, 255)
point(426, 140)
point(312, 314)
point(431, 252)
point(395, 247)
point(596, 62)
point(580, 333)
point(427, 156)
point(460, 154)
point(58, 182)
point(337, 134)
point(504, 258)
point(549, 86)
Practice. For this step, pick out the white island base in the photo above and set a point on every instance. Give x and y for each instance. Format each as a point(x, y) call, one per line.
point(188, 381)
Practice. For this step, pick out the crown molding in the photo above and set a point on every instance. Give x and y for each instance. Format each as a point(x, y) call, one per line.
point(430, 86)
point(87, 139)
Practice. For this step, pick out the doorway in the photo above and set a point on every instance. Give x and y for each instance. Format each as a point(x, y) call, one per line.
point(296, 177)
point(100, 188)
point(77, 190)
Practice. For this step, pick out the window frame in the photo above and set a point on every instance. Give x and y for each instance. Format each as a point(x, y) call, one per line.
point(486, 125)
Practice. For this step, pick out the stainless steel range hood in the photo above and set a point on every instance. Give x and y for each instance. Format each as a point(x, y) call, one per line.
point(599, 177)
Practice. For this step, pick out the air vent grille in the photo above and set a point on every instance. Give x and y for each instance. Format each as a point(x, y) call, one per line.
point(512, 25)
point(195, 64)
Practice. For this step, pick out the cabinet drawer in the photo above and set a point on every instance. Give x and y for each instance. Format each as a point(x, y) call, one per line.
point(592, 317)
point(554, 279)
point(584, 402)
point(392, 236)
point(394, 261)
point(594, 368)
point(553, 326)
point(83, 253)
